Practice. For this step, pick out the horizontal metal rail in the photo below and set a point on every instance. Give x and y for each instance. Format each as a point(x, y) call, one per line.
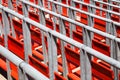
point(68, 40)
point(59, 16)
point(52, 36)
point(109, 3)
point(21, 64)
point(90, 14)
point(96, 7)
point(70, 20)
point(118, 1)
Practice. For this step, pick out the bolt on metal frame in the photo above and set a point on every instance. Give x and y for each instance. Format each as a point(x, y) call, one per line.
point(52, 35)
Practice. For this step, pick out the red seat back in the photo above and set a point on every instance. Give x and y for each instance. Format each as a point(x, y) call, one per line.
point(97, 69)
point(72, 56)
point(101, 47)
point(100, 24)
point(19, 8)
point(17, 26)
point(36, 36)
point(115, 18)
point(78, 36)
point(59, 77)
point(101, 72)
point(38, 55)
point(34, 16)
point(72, 76)
point(49, 24)
point(39, 66)
point(16, 47)
point(1, 41)
point(14, 71)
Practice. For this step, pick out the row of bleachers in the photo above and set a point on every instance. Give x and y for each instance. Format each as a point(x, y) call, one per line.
point(100, 69)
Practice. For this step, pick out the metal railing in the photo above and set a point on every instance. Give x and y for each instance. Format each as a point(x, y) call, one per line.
point(24, 68)
point(52, 35)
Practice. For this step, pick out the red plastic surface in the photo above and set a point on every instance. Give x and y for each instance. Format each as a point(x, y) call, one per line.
point(16, 47)
point(39, 66)
point(59, 77)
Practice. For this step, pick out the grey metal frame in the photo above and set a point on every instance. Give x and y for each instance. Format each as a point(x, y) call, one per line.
point(23, 66)
point(85, 49)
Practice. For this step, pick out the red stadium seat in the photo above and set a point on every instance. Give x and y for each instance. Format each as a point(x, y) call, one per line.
point(72, 76)
point(19, 8)
point(34, 16)
point(101, 47)
point(39, 66)
point(16, 47)
point(14, 74)
point(72, 58)
point(1, 41)
point(18, 28)
point(37, 55)
point(78, 36)
point(36, 37)
point(97, 68)
point(101, 72)
point(59, 77)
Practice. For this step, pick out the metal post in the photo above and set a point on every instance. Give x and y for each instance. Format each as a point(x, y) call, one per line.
point(82, 64)
point(1, 29)
point(54, 53)
point(59, 8)
point(10, 5)
point(20, 73)
point(87, 41)
point(54, 18)
point(27, 40)
point(114, 51)
point(86, 58)
point(43, 21)
point(72, 16)
point(64, 62)
point(101, 5)
point(108, 24)
point(50, 58)
point(6, 27)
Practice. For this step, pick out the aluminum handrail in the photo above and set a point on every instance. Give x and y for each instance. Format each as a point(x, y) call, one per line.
point(23, 65)
point(66, 39)
point(71, 21)
point(52, 35)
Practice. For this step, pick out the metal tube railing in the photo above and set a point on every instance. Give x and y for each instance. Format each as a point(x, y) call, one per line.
point(73, 22)
point(108, 3)
point(97, 7)
point(21, 64)
point(90, 14)
point(62, 37)
point(52, 34)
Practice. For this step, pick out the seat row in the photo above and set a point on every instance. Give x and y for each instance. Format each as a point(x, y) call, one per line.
point(100, 69)
point(73, 56)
